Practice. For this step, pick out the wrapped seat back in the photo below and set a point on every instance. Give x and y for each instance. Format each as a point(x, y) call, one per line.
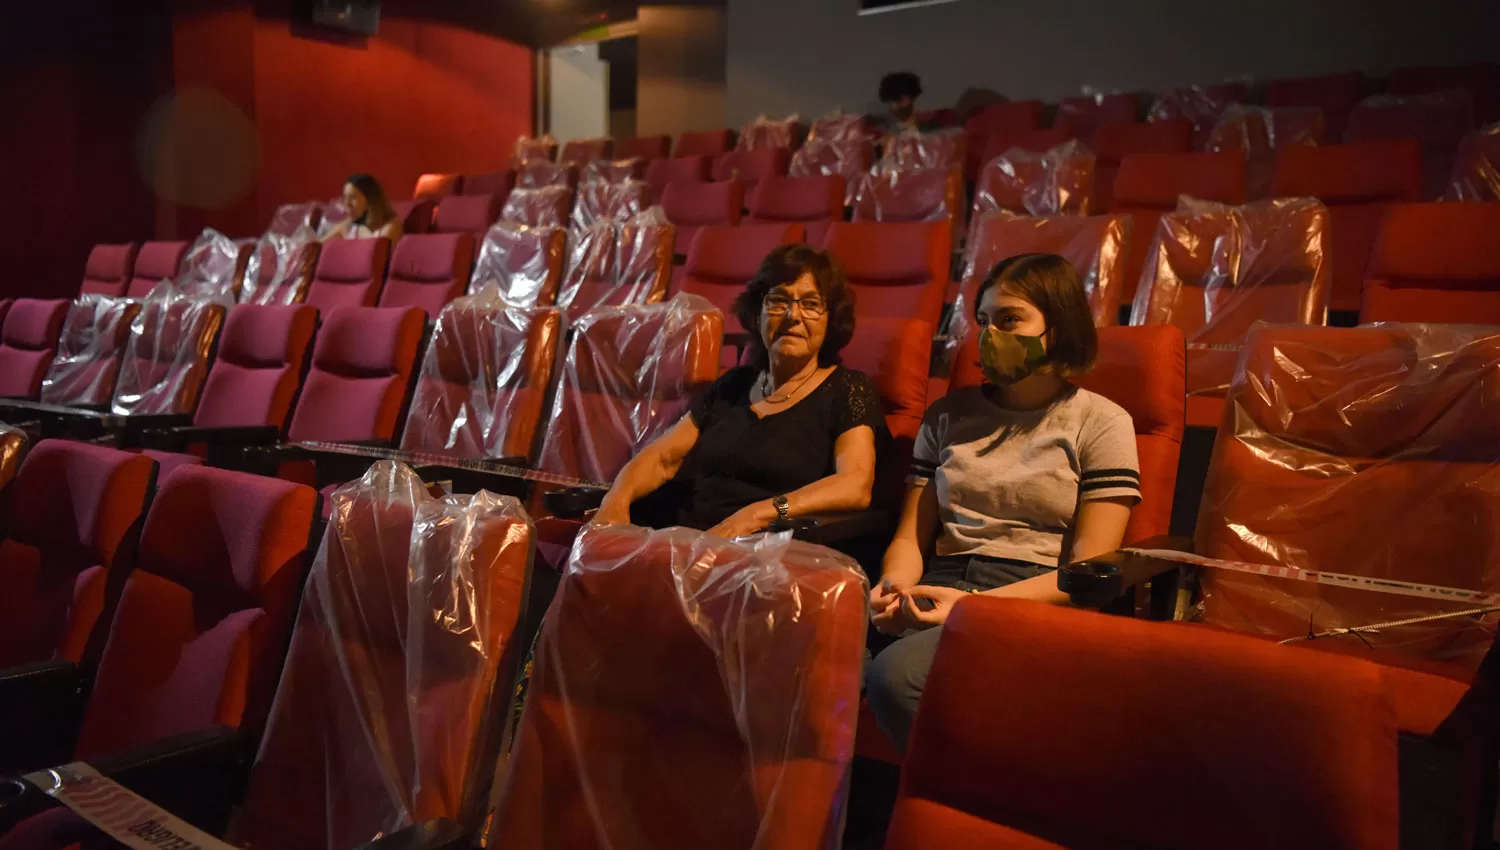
point(524, 263)
point(167, 355)
point(89, 351)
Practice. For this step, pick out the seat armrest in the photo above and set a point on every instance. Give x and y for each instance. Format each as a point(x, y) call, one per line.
point(1099, 581)
point(573, 502)
point(40, 706)
point(466, 480)
point(179, 438)
point(832, 528)
point(439, 834)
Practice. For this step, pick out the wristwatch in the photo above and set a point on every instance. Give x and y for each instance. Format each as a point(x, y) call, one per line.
point(783, 508)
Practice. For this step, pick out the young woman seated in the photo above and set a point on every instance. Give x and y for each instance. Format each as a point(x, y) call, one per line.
point(792, 434)
point(1008, 479)
point(371, 213)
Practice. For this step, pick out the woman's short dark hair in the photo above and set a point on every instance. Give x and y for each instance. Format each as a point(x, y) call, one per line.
point(1051, 284)
point(375, 197)
point(900, 84)
point(785, 265)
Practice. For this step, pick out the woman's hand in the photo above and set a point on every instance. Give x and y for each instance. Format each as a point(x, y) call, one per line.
point(746, 520)
point(943, 599)
point(886, 594)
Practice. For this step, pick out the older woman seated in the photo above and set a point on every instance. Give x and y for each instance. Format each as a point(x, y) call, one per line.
point(794, 433)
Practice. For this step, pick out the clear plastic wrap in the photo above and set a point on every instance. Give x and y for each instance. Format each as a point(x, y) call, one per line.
point(689, 692)
point(1058, 182)
point(538, 174)
point(280, 268)
point(544, 207)
point(600, 201)
point(911, 150)
point(1202, 106)
point(892, 194)
point(766, 132)
point(616, 263)
point(1476, 167)
point(484, 379)
point(385, 716)
point(214, 268)
point(628, 376)
point(837, 126)
point(334, 214)
point(12, 446)
point(1216, 270)
point(166, 356)
point(613, 171)
point(1365, 451)
point(524, 263)
point(528, 149)
point(849, 158)
point(1260, 132)
point(290, 218)
point(88, 352)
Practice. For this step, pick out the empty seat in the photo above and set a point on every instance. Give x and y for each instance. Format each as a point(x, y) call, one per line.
point(762, 132)
point(1439, 122)
point(1211, 715)
point(896, 353)
point(849, 159)
point(1335, 94)
point(890, 195)
point(1481, 82)
point(280, 269)
point(600, 201)
point(1202, 105)
point(361, 370)
point(470, 213)
point(1149, 184)
point(1258, 132)
point(291, 218)
point(581, 152)
point(1356, 183)
point(88, 353)
point(109, 269)
point(390, 710)
point(497, 183)
point(718, 712)
point(1435, 263)
point(752, 166)
point(428, 271)
point(1476, 168)
point(644, 147)
point(661, 173)
point(259, 366)
point(814, 202)
point(156, 262)
point(350, 273)
point(690, 206)
point(618, 263)
point(528, 149)
point(998, 119)
point(723, 259)
point(1054, 182)
point(1114, 142)
point(415, 216)
point(913, 151)
point(525, 263)
point(1216, 271)
point(537, 174)
point(897, 270)
point(214, 267)
point(545, 207)
point(435, 187)
point(613, 171)
point(709, 143)
point(167, 355)
point(996, 144)
point(628, 376)
point(28, 343)
point(1083, 116)
point(483, 385)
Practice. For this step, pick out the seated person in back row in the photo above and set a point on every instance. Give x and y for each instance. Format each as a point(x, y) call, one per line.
point(899, 92)
point(1008, 479)
point(790, 435)
point(370, 212)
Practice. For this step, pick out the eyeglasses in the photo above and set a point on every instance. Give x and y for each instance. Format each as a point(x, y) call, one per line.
point(780, 305)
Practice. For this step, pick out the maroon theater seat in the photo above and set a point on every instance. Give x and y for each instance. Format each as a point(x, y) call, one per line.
point(415, 216)
point(661, 173)
point(545, 207)
point(1481, 82)
point(814, 202)
point(690, 206)
point(471, 213)
point(525, 263)
point(1114, 142)
point(898, 270)
point(350, 273)
point(280, 270)
point(1438, 121)
point(710, 143)
point(109, 269)
point(428, 271)
point(435, 187)
point(614, 264)
point(722, 259)
point(1148, 185)
point(581, 152)
point(255, 377)
point(156, 261)
point(89, 351)
point(361, 369)
point(497, 183)
point(601, 201)
point(539, 173)
point(1032, 141)
point(28, 342)
point(644, 147)
point(1336, 95)
point(752, 166)
point(1084, 116)
point(167, 355)
point(1435, 263)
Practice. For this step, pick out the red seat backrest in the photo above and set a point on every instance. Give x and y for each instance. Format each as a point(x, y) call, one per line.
point(290, 218)
point(719, 713)
point(71, 516)
point(361, 371)
point(614, 264)
point(538, 174)
point(1059, 181)
point(1005, 117)
point(198, 633)
point(661, 173)
point(847, 158)
point(471, 213)
point(528, 149)
point(644, 147)
point(1335, 94)
point(581, 152)
point(214, 267)
point(544, 207)
point(1209, 714)
point(1435, 263)
point(762, 132)
point(1035, 141)
point(259, 366)
point(723, 259)
point(812, 201)
point(1438, 121)
point(628, 376)
point(896, 353)
point(1202, 105)
point(923, 195)
point(525, 263)
point(167, 355)
point(497, 183)
point(29, 340)
point(154, 263)
point(415, 216)
point(428, 271)
point(484, 381)
point(1150, 184)
point(1095, 245)
point(896, 269)
point(350, 273)
point(1480, 81)
point(89, 351)
point(1083, 116)
point(1114, 142)
point(709, 143)
point(280, 270)
point(109, 269)
point(752, 166)
point(435, 187)
point(690, 206)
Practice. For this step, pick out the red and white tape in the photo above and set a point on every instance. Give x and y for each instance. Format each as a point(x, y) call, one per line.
point(119, 812)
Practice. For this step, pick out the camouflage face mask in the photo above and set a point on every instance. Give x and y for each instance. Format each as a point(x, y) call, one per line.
point(1009, 358)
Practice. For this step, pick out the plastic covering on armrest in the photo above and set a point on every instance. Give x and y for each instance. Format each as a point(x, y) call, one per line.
point(1476, 167)
point(88, 353)
point(831, 528)
point(689, 691)
point(614, 263)
point(166, 357)
point(386, 715)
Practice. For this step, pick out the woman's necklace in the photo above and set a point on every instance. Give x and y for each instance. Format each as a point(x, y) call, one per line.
point(766, 388)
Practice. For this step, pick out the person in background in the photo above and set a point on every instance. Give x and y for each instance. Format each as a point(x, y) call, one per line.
point(370, 212)
point(1008, 480)
point(792, 434)
point(899, 92)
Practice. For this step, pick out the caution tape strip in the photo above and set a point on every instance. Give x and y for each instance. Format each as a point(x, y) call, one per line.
point(119, 812)
point(428, 459)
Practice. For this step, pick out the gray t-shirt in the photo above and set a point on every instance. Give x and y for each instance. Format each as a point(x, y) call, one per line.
point(1009, 482)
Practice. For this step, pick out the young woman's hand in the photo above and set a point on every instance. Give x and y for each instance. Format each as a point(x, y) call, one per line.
point(943, 599)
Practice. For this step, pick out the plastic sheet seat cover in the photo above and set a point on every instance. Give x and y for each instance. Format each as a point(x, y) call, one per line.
point(530, 149)
point(334, 214)
point(1260, 132)
point(518, 260)
point(484, 378)
point(1202, 106)
point(540, 173)
point(384, 716)
point(290, 218)
point(280, 268)
point(1057, 182)
point(628, 376)
point(609, 201)
point(689, 692)
point(911, 150)
point(211, 269)
point(166, 356)
point(1476, 167)
point(767, 132)
point(544, 207)
point(87, 363)
point(614, 263)
point(838, 126)
point(1215, 270)
point(904, 194)
point(612, 170)
point(1370, 451)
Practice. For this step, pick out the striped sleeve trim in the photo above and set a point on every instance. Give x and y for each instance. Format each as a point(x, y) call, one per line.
point(921, 470)
point(1109, 484)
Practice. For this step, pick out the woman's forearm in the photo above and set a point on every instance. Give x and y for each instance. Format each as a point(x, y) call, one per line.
point(642, 475)
point(837, 492)
point(1042, 588)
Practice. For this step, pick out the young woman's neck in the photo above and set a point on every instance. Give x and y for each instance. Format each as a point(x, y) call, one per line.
point(785, 370)
point(1035, 392)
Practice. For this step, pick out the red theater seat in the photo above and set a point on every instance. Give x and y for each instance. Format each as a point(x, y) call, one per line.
point(644, 147)
point(928, 195)
point(752, 166)
point(897, 270)
point(1057, 181)
point(849, 159)
point(722, 259)
point(472, 213)
point(1114, 142)
point(497, 183)
point(166, 357)
point(710, 143)
point(690, 206)
point(1149, 184)
point(280, 271)
point(1082, 117)
point(361, 369)
point(545, 207)
point(428, 271)
point(581, 152)
point(350, 273)
point(529, 150)
point(999, 119)
point(109, 269)
point(524, 263)
point(897, 355)
point(599, 201)
point(435, 187)
point(88, 352)
point(156, 262)
point(661, 173)
point(1481, 82)
point(1435, 263)
point(290, 218)
point(614, 264)
point(1202, 105)
point(537, 174)
point(28, 343)
point(1095, 245)
point(258, 371)
point(1335, 94)
point(1357, 183)
point(1438, 121)
point(814, 202)
point(415, 216)
point(1215, 717)
point(1035, 141)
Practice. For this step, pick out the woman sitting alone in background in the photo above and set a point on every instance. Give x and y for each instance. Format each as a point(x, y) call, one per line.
point(792, 434)
point(370, 212)
point(1009, 479)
